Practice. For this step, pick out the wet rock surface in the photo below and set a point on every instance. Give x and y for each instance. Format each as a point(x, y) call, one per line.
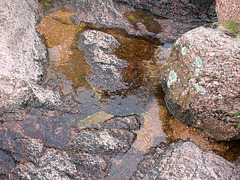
point(201, 82)
point(43, 163)
point(22, 57)
point(106, 67)
point(184, 160)
point(110, 141)
point(86, 154)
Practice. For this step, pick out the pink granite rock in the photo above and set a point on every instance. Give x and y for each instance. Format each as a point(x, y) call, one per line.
point(201, 79)
point(228, 11)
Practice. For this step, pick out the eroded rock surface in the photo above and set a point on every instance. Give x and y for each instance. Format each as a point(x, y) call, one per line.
point(106, 67)
point(184, 160)
point(22, 56)
point(201, 82)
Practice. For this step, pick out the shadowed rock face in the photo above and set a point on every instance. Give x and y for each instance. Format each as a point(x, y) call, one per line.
point(85, 156)
point(22, 56)
point(201, 82)
point(188, 10)
point(184, 160)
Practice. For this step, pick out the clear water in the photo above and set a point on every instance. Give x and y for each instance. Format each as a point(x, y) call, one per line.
point(67, 72)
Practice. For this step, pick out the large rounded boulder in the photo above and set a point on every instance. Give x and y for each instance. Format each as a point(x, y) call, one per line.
point(201, 80)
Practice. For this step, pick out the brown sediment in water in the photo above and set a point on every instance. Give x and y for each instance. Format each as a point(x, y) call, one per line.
point(135, 52)
point(60, 35)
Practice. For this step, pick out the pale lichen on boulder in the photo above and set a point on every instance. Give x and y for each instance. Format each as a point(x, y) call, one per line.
point(22, 54)
point(202, 82)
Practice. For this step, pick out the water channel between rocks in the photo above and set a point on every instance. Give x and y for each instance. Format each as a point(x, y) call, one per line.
point(139, 91)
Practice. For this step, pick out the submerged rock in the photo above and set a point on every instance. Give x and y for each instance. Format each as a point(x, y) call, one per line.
point(22, 56)
point(201, 82)
point(115, 137)
point(6, 163)
point(106, 67)
point(184, 160)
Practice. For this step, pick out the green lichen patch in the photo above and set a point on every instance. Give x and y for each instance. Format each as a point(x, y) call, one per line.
point(199, 88)
point(197, 62)
point(171, 78)
point(184, 50)
point(191, 44)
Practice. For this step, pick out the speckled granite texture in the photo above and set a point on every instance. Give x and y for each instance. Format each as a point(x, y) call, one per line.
point(201, 80)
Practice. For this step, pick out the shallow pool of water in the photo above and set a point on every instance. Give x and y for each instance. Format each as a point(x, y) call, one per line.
point(67, 72)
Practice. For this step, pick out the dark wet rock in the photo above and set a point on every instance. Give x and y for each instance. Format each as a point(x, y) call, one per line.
point(9, 143)
point(106, 67)
point(44, 163)
point(166, 29)
point(52, 126)
point(125, 123)
point(115, 138)
point(184, 160)
point(90, 166)
point(100, 13)
point(41, 162)
point(201, 82)
point(84, 157)
point(6, 163)
point(187, 10)
point(22, 57)
point(101, 142)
